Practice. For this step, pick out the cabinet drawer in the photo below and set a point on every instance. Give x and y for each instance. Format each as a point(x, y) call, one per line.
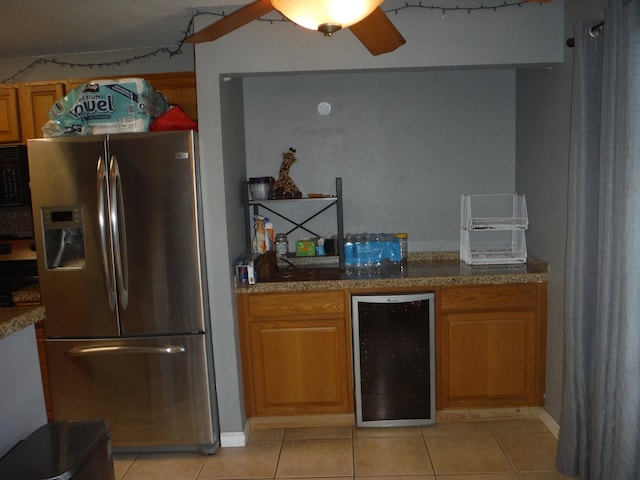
point(299, 303)
point(522, 295)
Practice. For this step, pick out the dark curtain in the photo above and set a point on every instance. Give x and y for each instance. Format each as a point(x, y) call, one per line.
point(600, 424)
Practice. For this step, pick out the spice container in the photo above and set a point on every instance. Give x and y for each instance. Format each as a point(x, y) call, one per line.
point(282, 245)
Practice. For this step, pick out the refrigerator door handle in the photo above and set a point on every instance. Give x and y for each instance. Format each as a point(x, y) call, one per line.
point(105, 253)
point(118, 229)
point(120, 349)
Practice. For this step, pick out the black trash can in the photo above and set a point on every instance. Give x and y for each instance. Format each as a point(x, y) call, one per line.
point(78, 450)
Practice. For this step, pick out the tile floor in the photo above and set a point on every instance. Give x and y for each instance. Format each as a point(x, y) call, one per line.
point(521, 449)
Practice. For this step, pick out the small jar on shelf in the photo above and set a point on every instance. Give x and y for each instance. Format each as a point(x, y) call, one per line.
point(282, 244)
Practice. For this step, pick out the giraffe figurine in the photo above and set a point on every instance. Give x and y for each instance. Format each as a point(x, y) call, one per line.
point(284, 186)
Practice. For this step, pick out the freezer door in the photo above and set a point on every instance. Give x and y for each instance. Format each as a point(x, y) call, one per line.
point(156, 241)
point(74, 262)
point(153, 391)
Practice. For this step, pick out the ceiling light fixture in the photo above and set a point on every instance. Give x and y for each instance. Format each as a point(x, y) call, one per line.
point(326, 16)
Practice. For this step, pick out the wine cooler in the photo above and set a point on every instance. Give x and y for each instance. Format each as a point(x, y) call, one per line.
point(394, 359)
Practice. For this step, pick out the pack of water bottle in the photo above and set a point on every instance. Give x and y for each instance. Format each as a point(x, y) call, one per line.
point(366, 250)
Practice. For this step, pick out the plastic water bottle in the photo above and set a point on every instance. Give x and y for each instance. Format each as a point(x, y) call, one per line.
point(349, 253)
point(359, 250)
point(403, 240)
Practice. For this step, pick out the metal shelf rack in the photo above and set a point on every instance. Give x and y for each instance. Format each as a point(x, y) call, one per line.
point(324, 204)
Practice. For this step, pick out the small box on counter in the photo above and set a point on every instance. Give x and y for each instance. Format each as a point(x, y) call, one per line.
point(246, 273)
point(306, 248)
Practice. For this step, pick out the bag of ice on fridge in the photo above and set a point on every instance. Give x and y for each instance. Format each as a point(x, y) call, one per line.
point(106, 106)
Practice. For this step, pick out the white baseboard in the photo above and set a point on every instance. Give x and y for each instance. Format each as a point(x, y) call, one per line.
point(235, 439)
point(232, 439)
point(550, 423)
point(239, 439)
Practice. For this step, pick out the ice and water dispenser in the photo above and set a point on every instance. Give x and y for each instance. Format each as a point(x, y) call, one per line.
point(63, 237)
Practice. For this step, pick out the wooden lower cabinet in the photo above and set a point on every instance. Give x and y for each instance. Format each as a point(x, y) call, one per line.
point(296, 353)
point(490, 349)
point(491, 345)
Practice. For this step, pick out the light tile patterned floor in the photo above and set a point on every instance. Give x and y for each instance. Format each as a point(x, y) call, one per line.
point(484, 450)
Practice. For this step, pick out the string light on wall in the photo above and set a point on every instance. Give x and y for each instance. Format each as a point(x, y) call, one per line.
point(458, 8)
point(177, 49)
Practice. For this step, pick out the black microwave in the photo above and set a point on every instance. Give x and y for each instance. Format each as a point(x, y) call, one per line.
point(14, 176)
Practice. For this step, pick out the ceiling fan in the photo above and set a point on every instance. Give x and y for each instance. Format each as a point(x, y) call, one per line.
point(375, 31)
point(370, 24)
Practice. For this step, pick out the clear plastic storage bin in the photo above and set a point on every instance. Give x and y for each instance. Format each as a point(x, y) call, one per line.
point(493, 228)
point(503, 211)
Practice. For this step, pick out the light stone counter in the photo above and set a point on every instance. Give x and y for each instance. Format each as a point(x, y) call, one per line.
point(29, 295)
point(423, 270)
point(26, 311)
point(13, 319)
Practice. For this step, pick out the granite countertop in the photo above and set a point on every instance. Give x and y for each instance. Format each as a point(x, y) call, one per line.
point(29, 295)
point(27, 311)
point(13, 319)
point(423, 269)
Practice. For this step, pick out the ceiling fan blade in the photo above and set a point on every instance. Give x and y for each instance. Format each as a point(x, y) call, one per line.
point(377, 33)
point(231, 22)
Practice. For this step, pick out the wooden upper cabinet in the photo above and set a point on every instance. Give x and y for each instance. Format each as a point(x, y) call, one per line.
point(36, 99)
point(9, 116)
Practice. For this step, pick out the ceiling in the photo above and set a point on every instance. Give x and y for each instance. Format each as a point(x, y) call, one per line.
point(41, 29)
point(36, 28)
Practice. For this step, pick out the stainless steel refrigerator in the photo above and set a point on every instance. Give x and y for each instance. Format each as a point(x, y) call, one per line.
point(117, 222)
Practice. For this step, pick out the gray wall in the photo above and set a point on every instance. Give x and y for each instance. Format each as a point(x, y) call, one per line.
point(531, 35)
point(543, 120)
point(406, 144)
point(161, 64)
